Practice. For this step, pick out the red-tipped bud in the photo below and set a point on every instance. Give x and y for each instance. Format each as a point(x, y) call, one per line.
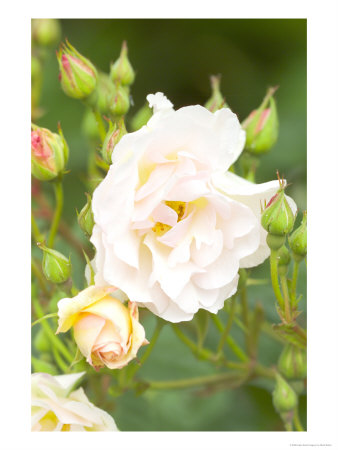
point(77, 74)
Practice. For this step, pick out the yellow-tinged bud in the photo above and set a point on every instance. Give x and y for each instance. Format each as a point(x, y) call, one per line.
point(49, 153)
point(216, 101)
point(292, 362)
point(86, 217)
point(77, 74)
point(298, 240)
point(46, 32)
point(55, 266)
point(121, 71)
point(261, 126)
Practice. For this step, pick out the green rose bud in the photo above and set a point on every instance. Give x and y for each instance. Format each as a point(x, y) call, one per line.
point(46, 32)
point(298, 240)
point(277, 219)
point(77, 74)
point(292, 362)
point(261, 126)
point(86, 217)
point(216, 101)
point(119, 102)
point(141, 117)
point(284, 397)
point(55, 266)
point(115, 133)
point(283, 257)
point(102, 95)
point(49, 153)
point(121, 71)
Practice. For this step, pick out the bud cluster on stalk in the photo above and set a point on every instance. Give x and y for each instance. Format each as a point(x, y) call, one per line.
point(49, 153)
point(122, 75)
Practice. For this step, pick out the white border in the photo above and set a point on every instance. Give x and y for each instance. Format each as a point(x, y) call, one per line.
point(322, 207)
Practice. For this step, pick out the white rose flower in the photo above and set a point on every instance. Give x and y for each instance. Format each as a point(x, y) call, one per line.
point(172, 226)
point(56, 408)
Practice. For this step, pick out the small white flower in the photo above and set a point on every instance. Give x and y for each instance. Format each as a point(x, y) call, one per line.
point(172, 225)
point(55, 407)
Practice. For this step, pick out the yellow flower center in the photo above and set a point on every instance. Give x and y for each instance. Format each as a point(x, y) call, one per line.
point(179, 207)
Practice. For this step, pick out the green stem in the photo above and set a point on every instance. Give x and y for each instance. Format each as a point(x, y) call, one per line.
point(37, 235)
point(297, 422)
point(41, 280)
point(190, 382)
point(58, 211)
point(294, 283)
point(47, 316)
point(199, 352)
point(274, 278)
point(49, 332)
point(285, 290)
point(245, 315)
point(226, 330)
point(229, 340)
point(100, 125)
point(288, 426)
point(149, 348)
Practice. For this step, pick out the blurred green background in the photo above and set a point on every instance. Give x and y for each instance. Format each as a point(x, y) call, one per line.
point(177, 57)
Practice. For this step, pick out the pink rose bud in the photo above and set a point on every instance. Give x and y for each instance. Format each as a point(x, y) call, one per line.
point(115, 133)
point(77, 74)
point(49, 153)
point(106, 331)
point(261, 126)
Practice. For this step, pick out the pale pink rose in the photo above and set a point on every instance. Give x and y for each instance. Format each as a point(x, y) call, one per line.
point(55, 407)
point(172, 226)
point(106, 331)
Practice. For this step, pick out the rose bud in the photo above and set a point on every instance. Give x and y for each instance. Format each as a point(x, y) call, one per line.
point(106, 331)
point(115, 133)
point(77, 74)
point(261, 126)
point(55, 266)
point(119, 102)
point(141, 117)
point(121, 71)
point(292, 362)
point(85, 218)
point(49, 153)
point(46, 32)
point(216, 101)
point(284, 397)
point(298, 240)
point(278, 219)
point(57, 407)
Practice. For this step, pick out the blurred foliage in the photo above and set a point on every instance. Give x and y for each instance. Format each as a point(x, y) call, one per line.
point(177, 58)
